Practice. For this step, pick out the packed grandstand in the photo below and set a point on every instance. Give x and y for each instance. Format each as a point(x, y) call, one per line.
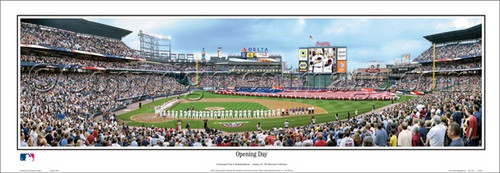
point(60, 105)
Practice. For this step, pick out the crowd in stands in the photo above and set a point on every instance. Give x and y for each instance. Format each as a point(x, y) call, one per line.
point(84, 94)
point(441, 119)
point(452, 51)
point(449, 66)
point(410, 82)
point(54, 37)
point(242, 80)
point(356, 84)
point(442, 82)
point(57, 59)
point(251, 68)
point(49, 94)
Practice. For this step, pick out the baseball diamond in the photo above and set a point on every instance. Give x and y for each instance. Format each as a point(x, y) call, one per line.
point(325, 111)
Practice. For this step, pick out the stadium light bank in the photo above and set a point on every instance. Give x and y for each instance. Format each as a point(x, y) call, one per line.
point(161, 37)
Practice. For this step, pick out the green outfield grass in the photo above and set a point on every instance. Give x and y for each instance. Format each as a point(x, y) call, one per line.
point(332, 106)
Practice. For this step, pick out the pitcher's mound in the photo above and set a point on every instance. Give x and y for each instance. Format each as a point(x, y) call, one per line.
point(214, 108)
point(149, 118)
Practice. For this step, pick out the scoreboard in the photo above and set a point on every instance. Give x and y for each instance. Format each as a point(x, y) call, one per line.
point(323, 59)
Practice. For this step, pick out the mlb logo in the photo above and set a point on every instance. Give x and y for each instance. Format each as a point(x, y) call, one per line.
point(24, 155)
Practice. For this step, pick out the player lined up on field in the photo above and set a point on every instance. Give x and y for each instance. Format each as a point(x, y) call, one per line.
point(190, 113)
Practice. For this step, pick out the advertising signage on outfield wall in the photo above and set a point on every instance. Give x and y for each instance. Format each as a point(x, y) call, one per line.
point(258, 49)
point(322, 59)
point(252, 52)
point(341, 66)
point(302, 54)
point(302, 66)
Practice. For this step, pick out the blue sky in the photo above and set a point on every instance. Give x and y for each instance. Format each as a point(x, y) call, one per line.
point(367, 39)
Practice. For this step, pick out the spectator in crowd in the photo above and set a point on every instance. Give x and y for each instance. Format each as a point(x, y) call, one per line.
point(381, 137)
point(471, 132)
point(394, 139)
point(347, 141)
point(454, 133)
point(416, 140)
point(422, 129)
point(320, 142)
point(404, 138)
point(368, 142)
point(435, 137)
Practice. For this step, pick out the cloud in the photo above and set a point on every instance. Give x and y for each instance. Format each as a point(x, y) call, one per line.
point(465, 23)
point(459, 23)
point(301, 24)
point(135, 24)
point(346, 25)
point(402, 46)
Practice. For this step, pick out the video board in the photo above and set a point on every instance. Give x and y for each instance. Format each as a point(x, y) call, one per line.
point(322, 59)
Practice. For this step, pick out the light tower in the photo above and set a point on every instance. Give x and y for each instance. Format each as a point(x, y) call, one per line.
point(155, 47)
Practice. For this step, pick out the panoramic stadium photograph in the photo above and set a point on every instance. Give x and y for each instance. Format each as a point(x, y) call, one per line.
point(250, 81)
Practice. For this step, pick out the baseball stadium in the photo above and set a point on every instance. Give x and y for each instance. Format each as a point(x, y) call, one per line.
point(81, 85)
